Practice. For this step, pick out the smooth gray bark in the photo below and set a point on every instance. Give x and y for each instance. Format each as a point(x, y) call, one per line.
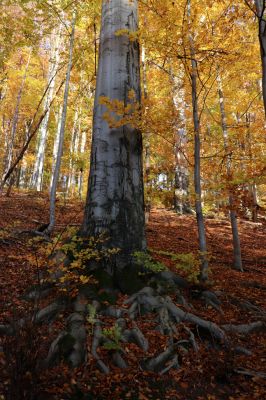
point(197, 165)
point(62, 130)
point(232, 211)
point(115, 201)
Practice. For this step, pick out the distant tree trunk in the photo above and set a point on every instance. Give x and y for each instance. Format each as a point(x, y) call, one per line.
point(73, 154)
point(252, 186)
point(6, 123)
point(33, 129)
point(232, 211)
point(197, 144)
point(81, 172)
point(115, 200)
point(37, 176)
point(181, 193)
point(147, 155)
point(261, 15)
point(56, 141)
point(9, 155)
point(22, 168)
point(62, 131)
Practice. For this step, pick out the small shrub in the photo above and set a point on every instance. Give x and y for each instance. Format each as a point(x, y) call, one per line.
point(79, 252)
point(91, 317)
point(145, 260)
point(114, 336)
point(185, 262)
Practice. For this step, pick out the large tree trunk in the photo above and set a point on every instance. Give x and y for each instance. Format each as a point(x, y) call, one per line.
point(261, 15)
point(197, 165)
point(115, 201)
point(232, 211)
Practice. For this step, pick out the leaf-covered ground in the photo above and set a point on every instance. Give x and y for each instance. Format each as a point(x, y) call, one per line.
point(208, 374)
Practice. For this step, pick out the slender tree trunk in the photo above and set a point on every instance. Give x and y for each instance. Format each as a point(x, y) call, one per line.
point(232, 211)
point(37, 176)
point(81, 171)
point(181, 193)
point(252, 186)
point(62, 131)
point(73, 154)
point(56, 141)
point(6, 129)
point(22, 168)
point(115, 200)
point(33, 129)
point(147, 143)
point(197, 165)
point(14, 125)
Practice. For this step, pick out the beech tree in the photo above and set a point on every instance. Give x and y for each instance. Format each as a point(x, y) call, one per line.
point(115, 201)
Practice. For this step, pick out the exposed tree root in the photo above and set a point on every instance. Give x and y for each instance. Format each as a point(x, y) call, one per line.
point(96, 341)
point(135, 336)
point(212, 300)
point(248, 372)
point(71, 345)
point(248, 306)
point(48, 313)
point(246, 329)
point(157, 364)
point(77, 330)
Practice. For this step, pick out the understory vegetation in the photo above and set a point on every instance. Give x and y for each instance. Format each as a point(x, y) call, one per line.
point(171, 338)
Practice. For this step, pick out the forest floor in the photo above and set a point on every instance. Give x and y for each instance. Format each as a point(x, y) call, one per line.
point(211, 373)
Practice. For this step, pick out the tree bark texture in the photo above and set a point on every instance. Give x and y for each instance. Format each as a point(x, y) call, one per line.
point(115, 200)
